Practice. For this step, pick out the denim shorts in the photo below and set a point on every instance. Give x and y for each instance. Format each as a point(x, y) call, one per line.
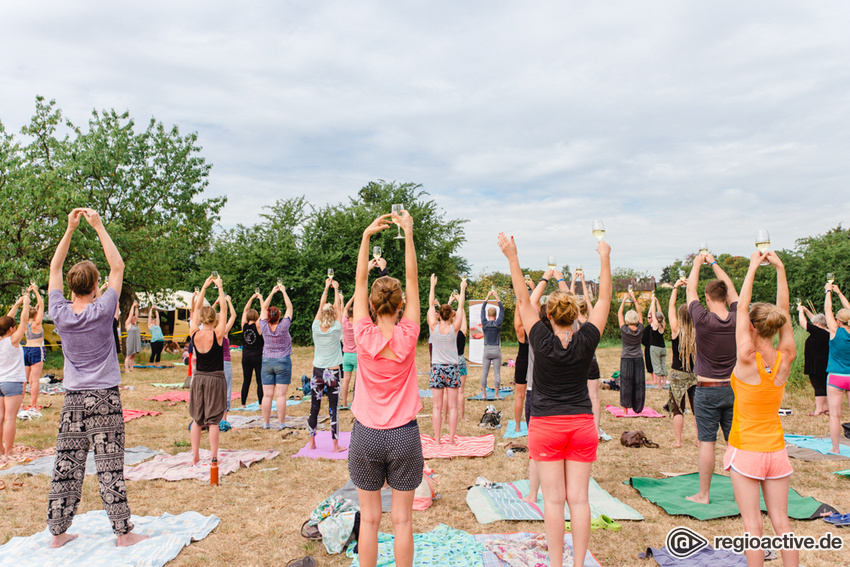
point(277, 371)
point(9, 389)
point(712, 408)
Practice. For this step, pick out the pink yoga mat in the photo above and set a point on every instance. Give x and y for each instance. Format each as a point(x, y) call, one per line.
point(618, 412)
point(463, 447)
point(324, 447)
point(130, 414)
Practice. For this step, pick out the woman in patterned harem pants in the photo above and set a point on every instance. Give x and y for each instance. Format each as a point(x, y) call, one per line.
point(91, 413)
point(89, 418)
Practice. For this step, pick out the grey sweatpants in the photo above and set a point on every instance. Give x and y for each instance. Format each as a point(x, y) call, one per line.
point(492, 353)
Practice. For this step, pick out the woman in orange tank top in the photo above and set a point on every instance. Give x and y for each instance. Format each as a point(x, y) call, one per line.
point(755, 455)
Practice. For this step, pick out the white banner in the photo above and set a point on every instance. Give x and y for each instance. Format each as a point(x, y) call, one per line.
point(475, 354)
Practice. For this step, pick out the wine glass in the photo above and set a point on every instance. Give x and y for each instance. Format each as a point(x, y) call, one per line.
point(456, 293)
point(830, 277)
point(682, 276)
point(551, 262)
point(763, 243)
point(197, 289)
point(527, 277)
point(463, 277)
point(376, 252)
point(280, 282)
point(703, 248)
point(492, 288)
point(330, 272)
point(598, 229)
point(398, 209)
point(579, 270)
point(214, 275)
point(799, 301)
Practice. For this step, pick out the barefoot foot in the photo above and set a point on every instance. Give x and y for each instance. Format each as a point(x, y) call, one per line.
point(62, 539)
point(338, 449)
point(676, 445)
point(698, 498)
point(312, 444)
point(129, 539)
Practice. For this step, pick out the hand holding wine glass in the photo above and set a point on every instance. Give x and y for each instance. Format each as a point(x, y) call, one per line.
point(598, 229)
point(379, 224)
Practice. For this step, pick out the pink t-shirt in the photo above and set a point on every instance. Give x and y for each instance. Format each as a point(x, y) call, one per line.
point(348, 344)
point(387, 393)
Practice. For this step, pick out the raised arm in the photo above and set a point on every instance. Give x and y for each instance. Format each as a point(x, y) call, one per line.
point(620, 319)
point(18, 335)
point(538, 291)
point(573, 282)
point(827, 310)
point(247, 308)
point(361, 276)
point(39, 302)
point(518, 328)
point(562, 284)
point(599, 316)
point(672, 314)
point(338, 299)
point(287, 302)
point(58, 261)
point(637, 307)
point(264, 306)
point(412, 309)
point(232, 319)
point(458, 322)
point(743, 339)
point(323, 300)
point(528, 313)
point(195, 322)
point(843, 299)
point(732, 295)
point(13, 311)
point(432, 312)
point(588, 293)
point(221, 321)
point(113, 257)
point(787, 346)
point(693, 279)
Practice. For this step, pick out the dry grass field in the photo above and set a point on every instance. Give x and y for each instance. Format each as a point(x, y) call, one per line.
point(261, 511)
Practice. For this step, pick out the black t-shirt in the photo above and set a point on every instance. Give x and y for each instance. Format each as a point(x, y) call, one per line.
point(560, 374)
point(816, 351)
point(461, 343)
point(253, 341)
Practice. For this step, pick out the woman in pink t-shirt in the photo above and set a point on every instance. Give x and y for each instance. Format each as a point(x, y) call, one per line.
point(385, 444)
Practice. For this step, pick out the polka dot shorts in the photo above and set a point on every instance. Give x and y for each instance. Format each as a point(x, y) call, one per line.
point(391, 455)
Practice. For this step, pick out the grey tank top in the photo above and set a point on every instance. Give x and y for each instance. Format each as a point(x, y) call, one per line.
point(34, 336)
point(445, 346)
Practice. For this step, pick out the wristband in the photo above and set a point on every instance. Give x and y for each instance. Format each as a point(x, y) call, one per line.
point(710, 265)
point(543, 280)
point(560, 280)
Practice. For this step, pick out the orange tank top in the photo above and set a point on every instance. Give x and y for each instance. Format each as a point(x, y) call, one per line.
point(755, 420)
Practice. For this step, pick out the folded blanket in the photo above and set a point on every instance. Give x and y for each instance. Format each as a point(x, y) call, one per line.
point(463, 447)
point(179, 466)
point(44, 465)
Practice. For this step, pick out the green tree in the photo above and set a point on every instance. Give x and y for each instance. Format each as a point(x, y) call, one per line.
point(147, 186)
point(812, 258)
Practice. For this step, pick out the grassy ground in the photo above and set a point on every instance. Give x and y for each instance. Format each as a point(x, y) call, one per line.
point(262, 511)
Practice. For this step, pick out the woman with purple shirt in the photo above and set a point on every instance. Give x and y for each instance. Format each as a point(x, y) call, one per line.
point(277, 350)
point(92, 413)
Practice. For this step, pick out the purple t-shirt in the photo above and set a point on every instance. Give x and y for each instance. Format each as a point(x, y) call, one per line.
point(277, 343)
point(87, 341)
point(717, 351)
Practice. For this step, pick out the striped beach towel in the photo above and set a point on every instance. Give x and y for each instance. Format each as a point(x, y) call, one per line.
point(463, 447)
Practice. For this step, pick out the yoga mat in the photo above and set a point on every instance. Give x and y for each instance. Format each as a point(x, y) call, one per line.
point(44, 465)
point(183, 397)
point(669, 493)
point(504, 501)
point(618, 412)
point(95, 546)
point(821, 445)
point(804, 454)
point(703, 557)
point(131, 414)
point(491, 394)
point(25, 454)
point(463, 447)
point(324, 447)
point(426, 394)
point(179, 466)
point(492, 560)
point(511, 434)
point(255, 406)
point(149, 366)
point(292, 422)
point(173, 385)
point(442, 546)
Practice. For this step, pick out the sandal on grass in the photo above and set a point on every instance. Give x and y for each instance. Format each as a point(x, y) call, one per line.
point(308, 561)
point(311, 533)
point(567, 526)
point(610, 524)
point(650, 444)
point(597, 524)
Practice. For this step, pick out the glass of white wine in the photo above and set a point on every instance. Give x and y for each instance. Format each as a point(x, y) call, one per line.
point(763, 243)
point(579, 270)
point(257, 290)
point(376, 252)
point(463, 277)
point(330, 272)
point(214, 275)
point(492, 288)
point(397, 209)
point(280, 282)
point(551, 262)
point(682, 276)
point(527, 277)
point(598, 229)
point(830, 277)
point(197, 289)
point(799, 301)
point(456, 293)
point(703, 248)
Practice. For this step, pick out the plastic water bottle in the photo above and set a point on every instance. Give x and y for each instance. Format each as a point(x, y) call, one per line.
point(509, 452)
point(214, 473)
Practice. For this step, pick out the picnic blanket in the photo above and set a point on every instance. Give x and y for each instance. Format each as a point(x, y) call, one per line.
point(618, 412)
point(511, 434)
point(292, 422)
point(182, 397)
point(95, 546)
point(131, 414)
point(172, 385)
point(25, 454)
point(324, 447)
point(255, 406)
point(463, 447)
point(491, 541)
point(349, 491)
point(820, 445)
point(51, 389)
point(705, 557)
point(670, 493)
point(29, 414)
point(504, 501)
point(491, 394)
point(44, 465)
point(426, 394)
point(441, 546)
point(179, 466)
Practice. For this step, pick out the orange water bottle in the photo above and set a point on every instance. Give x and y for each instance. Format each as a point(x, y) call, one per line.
point(214, 473)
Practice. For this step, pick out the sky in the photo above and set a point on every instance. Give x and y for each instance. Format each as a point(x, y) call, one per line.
point(673, 122)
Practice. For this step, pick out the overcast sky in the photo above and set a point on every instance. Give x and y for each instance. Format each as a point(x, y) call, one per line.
point(674, 122)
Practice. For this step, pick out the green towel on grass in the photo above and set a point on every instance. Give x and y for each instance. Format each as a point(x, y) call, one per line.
point(670, 493)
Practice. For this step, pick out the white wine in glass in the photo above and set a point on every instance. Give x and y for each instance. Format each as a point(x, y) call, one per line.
point(257, 290)
point(330, 272)
point(456, 293)
point(197, 289)
point(551, 263)
point(703, 248)
point(527, 277)
point(579, 270)
point(492, 288)
point(799, 301)
point(631, 288)
point(376, 252)
point(280, 281)
point(763, 243)
point(598, 229)
point(463, 277)
point(830, 277)
point(214, 275)
point(397, 209)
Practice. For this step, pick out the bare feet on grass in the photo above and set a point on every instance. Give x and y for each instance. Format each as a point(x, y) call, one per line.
point(129, 539)
point(676, 444)
point(698, 498)
point(62, 539)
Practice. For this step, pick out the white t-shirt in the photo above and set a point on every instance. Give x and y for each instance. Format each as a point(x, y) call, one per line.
point(11, 362)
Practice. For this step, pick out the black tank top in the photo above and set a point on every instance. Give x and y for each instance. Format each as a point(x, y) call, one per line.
point(522, 355)
point(213, 359)
point(677, 359)
point(461, 343)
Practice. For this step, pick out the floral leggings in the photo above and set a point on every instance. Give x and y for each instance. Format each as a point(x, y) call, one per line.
point(324, 380)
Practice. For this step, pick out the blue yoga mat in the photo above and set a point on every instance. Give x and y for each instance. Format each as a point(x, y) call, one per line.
point(255, 406)
point(511, 434)
point(491, 394)
point(823, 446)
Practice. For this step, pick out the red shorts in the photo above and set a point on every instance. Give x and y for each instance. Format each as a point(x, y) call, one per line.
point(563, 438)
point(757, 465)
